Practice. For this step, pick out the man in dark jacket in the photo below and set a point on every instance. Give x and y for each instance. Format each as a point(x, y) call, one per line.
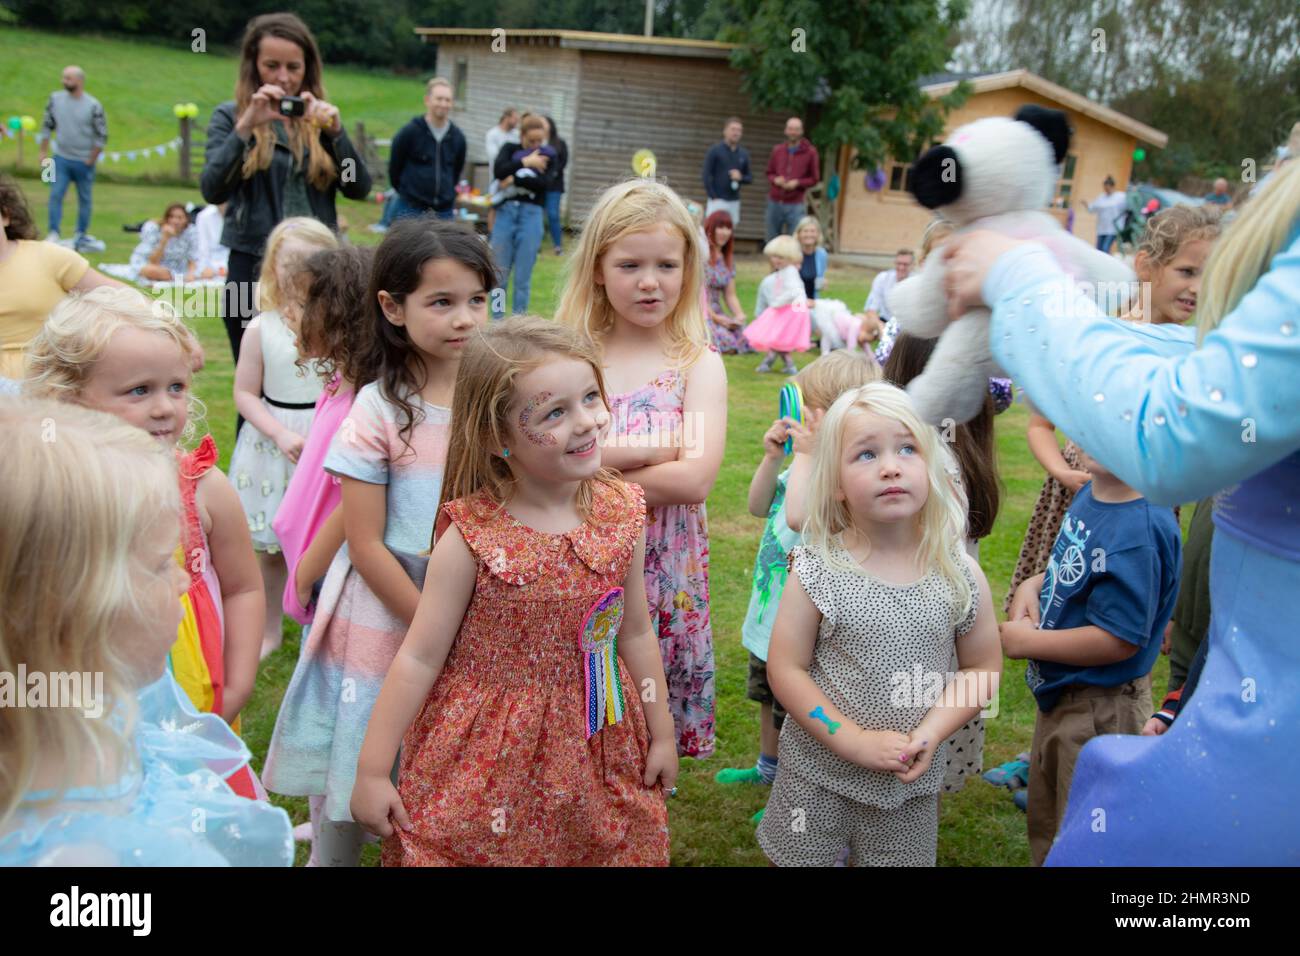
point(792, 168)
point(427, 157)
point(726, 169)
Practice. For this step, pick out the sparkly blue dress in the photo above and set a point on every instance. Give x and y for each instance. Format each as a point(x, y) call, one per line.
point(172, 809)
point(1178, 422)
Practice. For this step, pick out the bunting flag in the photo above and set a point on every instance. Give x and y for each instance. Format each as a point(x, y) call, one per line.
point(130, 155)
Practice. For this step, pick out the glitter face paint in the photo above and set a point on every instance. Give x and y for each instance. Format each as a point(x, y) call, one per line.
point(526, 416)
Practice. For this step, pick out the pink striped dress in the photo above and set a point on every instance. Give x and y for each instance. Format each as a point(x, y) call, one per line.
point(354, 637)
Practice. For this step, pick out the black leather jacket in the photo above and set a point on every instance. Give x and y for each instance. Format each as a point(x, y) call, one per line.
point(256, 204)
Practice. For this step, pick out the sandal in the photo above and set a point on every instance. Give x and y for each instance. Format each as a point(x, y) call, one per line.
point(1014, 775)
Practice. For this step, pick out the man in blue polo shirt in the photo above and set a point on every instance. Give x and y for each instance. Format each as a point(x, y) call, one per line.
point(1220, 196)
point(1102, 606)
point(726, 169)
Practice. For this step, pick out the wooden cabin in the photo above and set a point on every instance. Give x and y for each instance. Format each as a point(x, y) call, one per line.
point(610, 95)
point(614, 94)
point(878, 223)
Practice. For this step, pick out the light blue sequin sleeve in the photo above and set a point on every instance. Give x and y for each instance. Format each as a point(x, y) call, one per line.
point(1174, 421)
point(171, 809)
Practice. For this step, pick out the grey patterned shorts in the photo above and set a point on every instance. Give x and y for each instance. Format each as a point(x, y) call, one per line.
point(808, 825)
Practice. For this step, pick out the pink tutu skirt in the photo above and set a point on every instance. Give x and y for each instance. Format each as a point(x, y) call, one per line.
point(785, 328)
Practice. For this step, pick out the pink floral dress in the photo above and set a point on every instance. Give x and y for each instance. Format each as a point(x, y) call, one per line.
point(676, 571)
point(717, 275)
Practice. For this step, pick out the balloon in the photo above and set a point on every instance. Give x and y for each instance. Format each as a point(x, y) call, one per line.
point(643, 163)
point(1139, 154)
point(178, 110)
point(833, 187)
point(876, 181)
point(15, 123)
point(191, 110)
point(29, 123)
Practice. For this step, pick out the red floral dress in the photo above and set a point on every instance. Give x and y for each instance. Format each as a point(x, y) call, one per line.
point(497, 769)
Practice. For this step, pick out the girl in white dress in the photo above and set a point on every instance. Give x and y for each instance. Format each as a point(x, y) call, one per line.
point(277, 399)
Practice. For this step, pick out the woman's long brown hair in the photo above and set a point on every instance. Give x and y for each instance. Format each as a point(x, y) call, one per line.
point(303, 138)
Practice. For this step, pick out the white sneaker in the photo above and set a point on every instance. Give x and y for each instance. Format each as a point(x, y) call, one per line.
point(377, 227)
point(88, 243)
point(53, 237)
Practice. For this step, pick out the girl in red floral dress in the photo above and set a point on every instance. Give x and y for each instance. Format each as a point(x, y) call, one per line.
point(521, 683)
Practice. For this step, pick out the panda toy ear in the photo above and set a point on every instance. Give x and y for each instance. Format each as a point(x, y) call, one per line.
point(936, 178)
point(1051, 124)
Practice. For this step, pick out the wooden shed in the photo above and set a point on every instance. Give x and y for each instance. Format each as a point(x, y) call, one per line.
point(610, 95)
point(878, 223)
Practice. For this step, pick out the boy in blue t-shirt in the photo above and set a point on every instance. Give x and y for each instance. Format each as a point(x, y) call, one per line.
point(1102, 606)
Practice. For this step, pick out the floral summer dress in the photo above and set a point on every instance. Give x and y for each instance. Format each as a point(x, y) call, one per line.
point(676, 570)
point(716, 277)
point(501, 766)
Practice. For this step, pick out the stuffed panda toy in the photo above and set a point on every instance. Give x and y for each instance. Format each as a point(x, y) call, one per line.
point(995, 173)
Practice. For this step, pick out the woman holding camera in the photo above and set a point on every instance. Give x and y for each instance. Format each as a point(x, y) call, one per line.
point(277, 150)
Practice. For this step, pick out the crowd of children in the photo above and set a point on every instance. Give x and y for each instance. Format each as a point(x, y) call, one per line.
point(495, 538)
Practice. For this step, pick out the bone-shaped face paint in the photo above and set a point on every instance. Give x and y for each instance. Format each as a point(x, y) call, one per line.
point(526, 416)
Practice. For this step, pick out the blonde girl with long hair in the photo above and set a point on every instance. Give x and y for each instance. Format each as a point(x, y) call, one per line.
point(277, 399)
point(516, 697)
point(269, 157)
point(113, 768)
point(820, 383)
point(633, 293)
point(117, 351)
point(1179, 414)
point(879, 594)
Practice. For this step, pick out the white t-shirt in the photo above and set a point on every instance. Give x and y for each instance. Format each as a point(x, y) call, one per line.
point(877, 299)
point(1108, 209)
point(211, 253)
point(496, 138)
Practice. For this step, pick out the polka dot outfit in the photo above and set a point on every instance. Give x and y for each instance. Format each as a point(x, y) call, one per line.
point(808, 825)
point(872, 633)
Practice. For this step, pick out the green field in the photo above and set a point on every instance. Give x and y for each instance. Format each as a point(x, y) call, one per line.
point(138, 83)
point(710, 824)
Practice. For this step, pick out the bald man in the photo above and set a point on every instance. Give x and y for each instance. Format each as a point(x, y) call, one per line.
point(80, 130)
point(1220, 196)
point(792, 168)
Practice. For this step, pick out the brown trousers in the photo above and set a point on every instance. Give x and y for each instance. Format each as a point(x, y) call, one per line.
point(1081, 713)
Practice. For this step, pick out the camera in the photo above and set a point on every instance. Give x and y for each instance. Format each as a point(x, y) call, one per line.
point(293, 106)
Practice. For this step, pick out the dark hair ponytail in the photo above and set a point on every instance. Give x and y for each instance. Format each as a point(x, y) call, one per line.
point(973, 443)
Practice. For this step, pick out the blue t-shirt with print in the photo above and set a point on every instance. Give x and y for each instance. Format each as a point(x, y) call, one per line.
point(1113, 566)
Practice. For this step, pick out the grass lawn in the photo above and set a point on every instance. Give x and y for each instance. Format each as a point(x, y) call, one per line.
point(139, 82)
point(710, 824)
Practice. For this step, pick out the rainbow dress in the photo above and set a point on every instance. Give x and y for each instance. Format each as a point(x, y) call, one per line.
point(197, 659)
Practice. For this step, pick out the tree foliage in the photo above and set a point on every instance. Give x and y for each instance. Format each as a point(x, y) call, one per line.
point(850, 65)
point(1220, 77)
point(370, 32)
